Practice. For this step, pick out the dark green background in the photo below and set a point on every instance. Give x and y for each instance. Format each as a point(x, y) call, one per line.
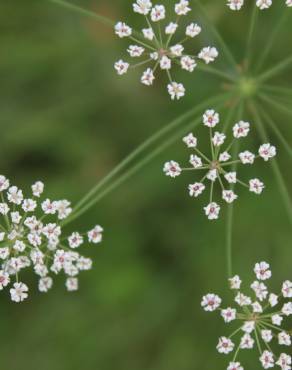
point(66, 118)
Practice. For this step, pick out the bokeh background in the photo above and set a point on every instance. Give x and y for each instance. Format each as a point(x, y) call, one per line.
point(66, 118)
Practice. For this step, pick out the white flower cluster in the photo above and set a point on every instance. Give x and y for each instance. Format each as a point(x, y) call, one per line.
point(31, 236)
point(258, 325)
point(261, 4)
point(155, 44)
point(216, 166)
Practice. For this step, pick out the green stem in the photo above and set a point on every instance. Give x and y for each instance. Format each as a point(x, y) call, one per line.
point(279, 106)
point(271, 39)
point(258, 341)
point(250, 34)
point(216, 72)
point(277, 89)
point(275, 70)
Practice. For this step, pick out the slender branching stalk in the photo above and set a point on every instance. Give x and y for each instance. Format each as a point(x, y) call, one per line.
point(272, 102)
point(250, 35)
point(274, 71)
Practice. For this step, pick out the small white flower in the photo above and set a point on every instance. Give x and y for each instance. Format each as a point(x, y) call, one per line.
point(235, 4)
point(142, 6)
point(121, 67)
point(154, 55)
point(182, 8)
point(148, 77)
point(171, 28)
point(196, 161)
point(262, 271)
point(177, 50)
point(284, 360)
point(284, 339)
point(210, 118)
point(224, 157)
point(135, 51)
point(49, 208)
point(95, 235)
point(247, 157)
point(289, 3)
point(266, 335)
point(157, 13)
point(208, 54)
point(15, 195)
point(287, 289)
point(72, 284)
point(231, 177)
point(19, 246)
point(218, 139)
point(4, 253)
point(45, 284)
point(212, 211)
point(19, 292)
point(212, 175)
point(84, 264)
point(256, 307)
point(273, 300)
point(248, 327)
point(242, 300)
point(2, 235)
point(190, 140)
point(172, 169)
point(176, 90)
point(37, 188)
point(188, 64)
point(148, 33)
point(267, 359)
point(225, 345)
point(29, 205)
point(4, 279)
point(241, 129)
point(123, 30)
point(277, 319)
point(264, 4)
point(63, 208)
point(211, 302)
point(75, 240)
point(4, 209)
point(287, 309)
point(15, 217)
point(229, 196)
point(256, 186)
point(165, 63)
point(234, 366)
point(235, 282)
point(267, 151)
point(194, 30)
point(246, 342)
point(260, 290)
point(4, 183)
point(196, 189)
point(229, 314)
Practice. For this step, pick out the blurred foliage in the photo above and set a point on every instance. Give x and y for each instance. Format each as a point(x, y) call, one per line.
point(68, 119)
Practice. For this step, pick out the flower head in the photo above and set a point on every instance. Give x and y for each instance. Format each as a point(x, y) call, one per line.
point(31, 236)
point(219, 168)
point(261, 4)
point(256, 322)
point(156, 46)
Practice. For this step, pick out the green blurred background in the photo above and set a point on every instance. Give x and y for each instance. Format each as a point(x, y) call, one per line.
point(66, 118)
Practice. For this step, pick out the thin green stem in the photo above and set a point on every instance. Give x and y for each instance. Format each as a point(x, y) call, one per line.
point(279, 106)
point(216, 33)
point(258, 341)
point(277, 89)
point(216, 72)
point(271, 39)
point(277, 69)
point(250, 35)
